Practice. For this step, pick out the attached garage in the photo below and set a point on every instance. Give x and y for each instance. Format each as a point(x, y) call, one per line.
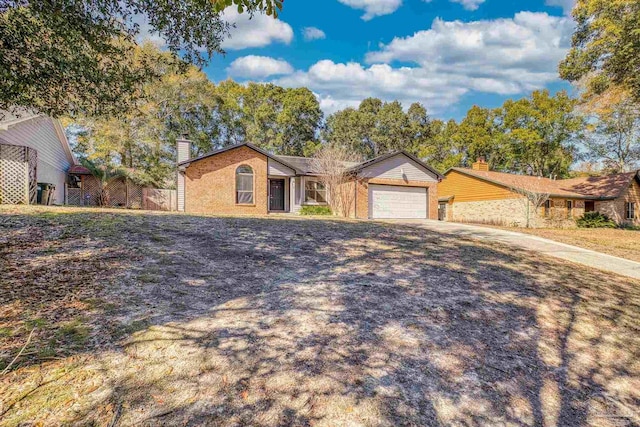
point(390, 201)
point(396, 185)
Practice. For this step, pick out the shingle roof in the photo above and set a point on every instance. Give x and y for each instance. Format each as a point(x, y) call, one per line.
point(79, 170)
point(11, 118)
point(231, 147)
point(607, 186)
point(305, 164)
point(596, 187)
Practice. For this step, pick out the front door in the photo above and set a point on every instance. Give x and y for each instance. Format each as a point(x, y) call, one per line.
point(442, 212)
point(276, 194)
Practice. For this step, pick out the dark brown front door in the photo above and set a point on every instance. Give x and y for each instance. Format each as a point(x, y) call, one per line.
point(276, 194)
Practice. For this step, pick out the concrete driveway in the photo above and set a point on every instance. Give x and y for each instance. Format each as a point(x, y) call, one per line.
point(533, 243)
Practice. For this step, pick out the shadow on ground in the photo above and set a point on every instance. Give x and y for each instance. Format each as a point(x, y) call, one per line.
point(276, 321)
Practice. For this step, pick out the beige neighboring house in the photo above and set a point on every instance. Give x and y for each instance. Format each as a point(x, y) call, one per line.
point(33, 149)
point(244, 179)
point(479, 195)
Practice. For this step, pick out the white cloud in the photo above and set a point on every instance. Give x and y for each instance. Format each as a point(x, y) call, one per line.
point(258, 31)
point(341, 85)
point(470, 4)
point(566, 5)
point(313, 33)
point(503, 56)
point(373, 8)
point(259, 67)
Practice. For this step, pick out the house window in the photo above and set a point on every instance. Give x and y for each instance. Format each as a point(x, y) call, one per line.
point(630, 210)
point(314, 192)
point(547, 208)
point(589, 206)
point(569, 208)
point(244, 185)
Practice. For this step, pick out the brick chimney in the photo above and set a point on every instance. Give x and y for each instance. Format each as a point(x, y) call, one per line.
point(480, 164)
point(183, 149)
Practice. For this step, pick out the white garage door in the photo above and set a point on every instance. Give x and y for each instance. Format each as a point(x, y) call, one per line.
point(387, 201)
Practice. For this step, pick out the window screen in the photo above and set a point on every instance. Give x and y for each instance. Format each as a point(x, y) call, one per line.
point(244, 185)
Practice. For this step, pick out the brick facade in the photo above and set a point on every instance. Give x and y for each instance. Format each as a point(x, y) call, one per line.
point(211, 183)
point(362, 194)
point(513, 213)
point(616, 209)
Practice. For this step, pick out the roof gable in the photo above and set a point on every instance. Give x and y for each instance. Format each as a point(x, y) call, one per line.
point(233, 147)
point(437, 175)
point(398, 167)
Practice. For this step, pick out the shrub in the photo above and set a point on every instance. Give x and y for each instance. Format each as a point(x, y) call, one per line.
point(315, 210)
point(595, 220)
point(627, 226)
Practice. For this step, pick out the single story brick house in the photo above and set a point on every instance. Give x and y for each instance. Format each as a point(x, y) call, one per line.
point(483, 196)
point(244, 179)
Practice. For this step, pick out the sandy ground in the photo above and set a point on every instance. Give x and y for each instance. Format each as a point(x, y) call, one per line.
point(160, 319)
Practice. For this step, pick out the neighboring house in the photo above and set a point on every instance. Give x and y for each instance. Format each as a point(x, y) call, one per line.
point(33, 149)
point(244, 179)
point(483, 196)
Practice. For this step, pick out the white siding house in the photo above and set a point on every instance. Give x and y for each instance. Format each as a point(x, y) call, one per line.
point(398, 167)
point(47, 137)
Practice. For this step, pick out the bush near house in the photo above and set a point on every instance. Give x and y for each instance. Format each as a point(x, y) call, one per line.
point(595, 220)
point(315, 210)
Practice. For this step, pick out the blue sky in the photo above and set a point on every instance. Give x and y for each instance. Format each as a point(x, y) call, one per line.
point(447, 54)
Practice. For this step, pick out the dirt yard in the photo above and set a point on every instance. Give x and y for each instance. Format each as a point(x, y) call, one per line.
point(620, 243)
point(160, 319)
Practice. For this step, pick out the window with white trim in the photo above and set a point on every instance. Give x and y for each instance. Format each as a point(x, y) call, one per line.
point(314, 192)
point(630, 210)
point(569, 208)
point(244, 185)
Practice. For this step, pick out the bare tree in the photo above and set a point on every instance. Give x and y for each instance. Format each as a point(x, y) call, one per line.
point(534, 196)
point(331, 163)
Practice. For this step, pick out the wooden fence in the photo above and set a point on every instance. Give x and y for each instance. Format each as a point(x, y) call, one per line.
point(18, 174)
point(154, 199)
point(121, 193)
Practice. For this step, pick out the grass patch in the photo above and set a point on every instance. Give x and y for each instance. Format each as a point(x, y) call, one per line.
point(6, 332)
point(74, 333)
point(131, 328)
point(149, 278)
point(38, 322)
point(159, 238)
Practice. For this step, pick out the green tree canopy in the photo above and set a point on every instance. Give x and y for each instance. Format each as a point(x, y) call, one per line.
point(78, 57)
point(606, 46)
point(542, 132)
point(377, 127)
point(280, 120)
point(479, 135)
